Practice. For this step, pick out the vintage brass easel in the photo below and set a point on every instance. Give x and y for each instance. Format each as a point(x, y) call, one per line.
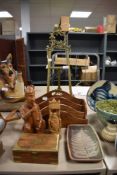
point(58, 40)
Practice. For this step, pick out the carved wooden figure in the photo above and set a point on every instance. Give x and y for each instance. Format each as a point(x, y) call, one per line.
point(54, 121)
point(11, 82)
point(30, 112)
point(7, 73)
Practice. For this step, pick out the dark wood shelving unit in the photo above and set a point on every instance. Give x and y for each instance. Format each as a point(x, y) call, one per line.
point(93, 43)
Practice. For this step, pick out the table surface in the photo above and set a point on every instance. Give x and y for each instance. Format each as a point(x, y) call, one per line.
point(65, 166)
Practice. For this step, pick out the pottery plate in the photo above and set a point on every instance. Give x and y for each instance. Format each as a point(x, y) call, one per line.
point(83, 143)
point(101, 90)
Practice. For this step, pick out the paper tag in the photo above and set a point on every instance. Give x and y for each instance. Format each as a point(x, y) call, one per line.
point(65, 67)
point(49, 59)
point(5, 89)
point(45, 98)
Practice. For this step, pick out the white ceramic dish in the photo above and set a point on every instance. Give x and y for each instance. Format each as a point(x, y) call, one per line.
point(83, 143)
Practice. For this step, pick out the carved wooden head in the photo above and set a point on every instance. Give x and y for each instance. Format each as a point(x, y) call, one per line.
point(30, 94)
point(54, 105)
point(7, 73)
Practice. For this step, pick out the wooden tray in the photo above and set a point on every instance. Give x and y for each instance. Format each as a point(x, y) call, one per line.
point(83, 143)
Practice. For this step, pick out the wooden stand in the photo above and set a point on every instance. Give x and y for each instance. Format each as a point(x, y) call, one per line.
point(37, 148)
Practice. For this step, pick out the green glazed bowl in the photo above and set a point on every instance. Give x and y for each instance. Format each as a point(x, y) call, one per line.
point(107, 110)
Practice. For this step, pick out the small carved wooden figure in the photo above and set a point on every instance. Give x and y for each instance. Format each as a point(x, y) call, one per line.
point(30, 112)
point(7, 73)
point(54, 121)
point(11, 82)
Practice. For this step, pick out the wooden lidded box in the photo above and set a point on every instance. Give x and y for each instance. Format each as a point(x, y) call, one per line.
point(37, 148)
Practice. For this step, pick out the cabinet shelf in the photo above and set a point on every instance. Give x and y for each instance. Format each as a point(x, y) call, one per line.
point(37, 65)
point(112, 42)
point(36, 50)
point(111, 73)
point(38, 74)
point(111, 51)
point(37, 41)
point(81, 42)
point(111, 66)
point(86, 33)
point(39, 82)
point(37, 57)
point(100, 53)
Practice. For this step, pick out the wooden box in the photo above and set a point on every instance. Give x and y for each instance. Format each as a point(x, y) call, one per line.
point(8, 27)
point(91, 29)
point(90, 73)
point(110, 26)
point(37, 148)
point(64, 23)
point(73, 61)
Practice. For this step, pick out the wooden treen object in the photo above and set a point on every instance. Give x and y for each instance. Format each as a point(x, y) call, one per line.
point(54, 121)
point(72, 110)
point(7, 73)
point(30, 112)
point(11, 82)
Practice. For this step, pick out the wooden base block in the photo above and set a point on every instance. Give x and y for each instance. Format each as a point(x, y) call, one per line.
point(37, 148)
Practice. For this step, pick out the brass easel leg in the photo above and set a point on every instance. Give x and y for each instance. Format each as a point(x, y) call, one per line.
point(48, 78)
point(69, 78)
point(69, 73)
point(59, 79)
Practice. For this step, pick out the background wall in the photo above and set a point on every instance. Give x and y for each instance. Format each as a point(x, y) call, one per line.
point(45, 13)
